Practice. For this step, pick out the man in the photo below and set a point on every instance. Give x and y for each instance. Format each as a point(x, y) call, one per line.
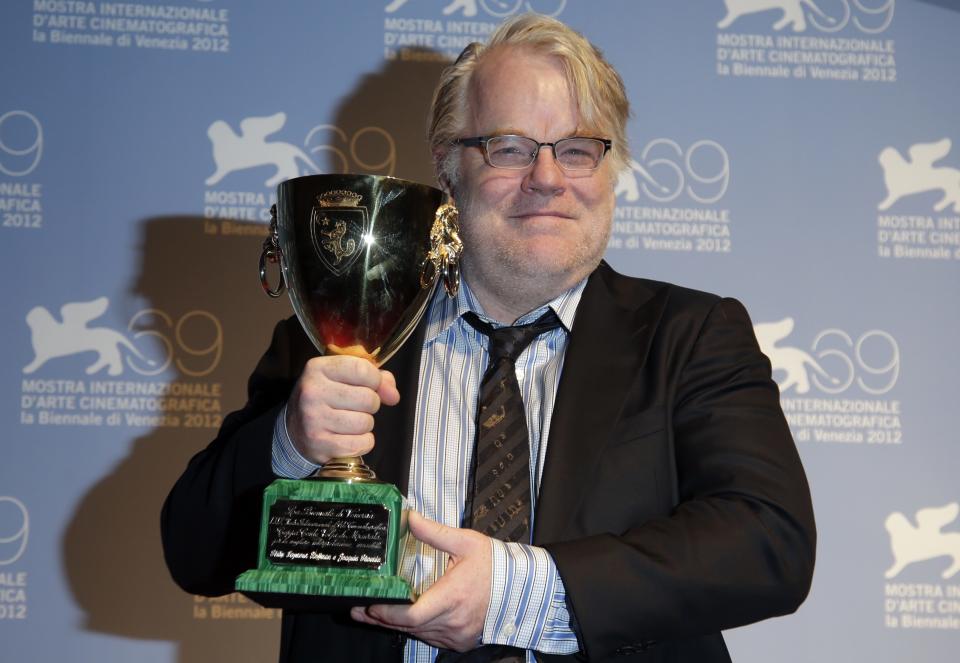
point(668, 500)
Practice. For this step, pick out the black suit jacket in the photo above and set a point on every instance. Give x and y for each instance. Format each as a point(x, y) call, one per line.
point(672, 500)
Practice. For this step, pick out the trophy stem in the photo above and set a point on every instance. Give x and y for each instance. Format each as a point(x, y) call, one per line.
point(347, 468)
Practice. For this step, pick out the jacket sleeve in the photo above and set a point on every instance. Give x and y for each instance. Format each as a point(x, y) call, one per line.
point(211, 519)
point(738, 543)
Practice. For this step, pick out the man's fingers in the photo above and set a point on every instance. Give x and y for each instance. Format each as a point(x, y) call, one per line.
point(433, 632)
point(330, 412)
point(451, 612)
point(428, 607)
point(347, 369)
point(436, 617)
point(397, 617)
point(349, 385)
point(339, 446)
point(335, 420)
point(359, 614)
point(387, 390)
point(450, 540)
point(341, 396)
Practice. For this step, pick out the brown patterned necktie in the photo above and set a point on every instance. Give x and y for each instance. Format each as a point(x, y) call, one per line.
point(498, 502)
point(498, 491)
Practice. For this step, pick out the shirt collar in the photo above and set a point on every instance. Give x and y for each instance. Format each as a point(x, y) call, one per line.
point(444, 311)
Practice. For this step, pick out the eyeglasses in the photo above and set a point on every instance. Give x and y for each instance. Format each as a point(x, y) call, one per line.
point(518, 152)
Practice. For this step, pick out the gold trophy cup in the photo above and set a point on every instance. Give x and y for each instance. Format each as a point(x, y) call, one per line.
point(360, 256)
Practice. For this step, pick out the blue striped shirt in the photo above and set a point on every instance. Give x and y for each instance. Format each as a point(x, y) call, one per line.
point(528, 601)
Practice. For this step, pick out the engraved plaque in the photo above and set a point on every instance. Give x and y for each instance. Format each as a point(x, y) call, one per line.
point(332, 534)
point(329, 544)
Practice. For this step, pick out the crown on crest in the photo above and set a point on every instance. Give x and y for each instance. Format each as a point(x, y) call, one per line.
point(339, 198)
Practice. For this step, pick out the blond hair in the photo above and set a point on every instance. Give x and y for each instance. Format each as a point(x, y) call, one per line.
point(597, 88)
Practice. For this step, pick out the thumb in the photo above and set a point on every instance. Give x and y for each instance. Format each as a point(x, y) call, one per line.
point(451, 540)
point(387, 391)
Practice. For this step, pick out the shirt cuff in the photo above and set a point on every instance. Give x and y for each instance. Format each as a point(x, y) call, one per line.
point(528, 607)
point(285, 459)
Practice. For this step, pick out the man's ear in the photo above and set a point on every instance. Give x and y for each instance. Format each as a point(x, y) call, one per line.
point(447, 188)
point(438, 158)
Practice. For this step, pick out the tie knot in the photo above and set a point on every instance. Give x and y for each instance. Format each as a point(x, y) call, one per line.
point(509, 342)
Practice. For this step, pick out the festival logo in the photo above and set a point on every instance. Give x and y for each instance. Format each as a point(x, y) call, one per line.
point(430, 30)
point(668, 199)
point(132, 24)
point(925, 546)
point(125, 371)
point(14, 529)
point(793, 12)
point(242, 157)
point(791, 362)
point(926, 540)
point(627, 183)
point(21, 147)
point(917, 174)
point(841, 40)
point(52, 338)
point(908, 229)
point(837, 390)
point(231, 607)
point(495, 8)
point(21, 143)
point(14, 532)
point(250, 149)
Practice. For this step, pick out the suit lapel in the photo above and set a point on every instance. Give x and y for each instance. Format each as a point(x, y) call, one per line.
point(607, 346)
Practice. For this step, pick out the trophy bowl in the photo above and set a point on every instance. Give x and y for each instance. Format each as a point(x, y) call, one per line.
point(360, 256)
point(352, 252)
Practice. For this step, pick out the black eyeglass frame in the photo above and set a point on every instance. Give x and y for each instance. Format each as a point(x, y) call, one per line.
point(481, 142)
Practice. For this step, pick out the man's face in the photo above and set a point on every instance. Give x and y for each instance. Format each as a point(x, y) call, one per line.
point(528, 234)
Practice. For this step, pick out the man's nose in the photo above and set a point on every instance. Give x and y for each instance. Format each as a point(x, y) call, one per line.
point(545, 175)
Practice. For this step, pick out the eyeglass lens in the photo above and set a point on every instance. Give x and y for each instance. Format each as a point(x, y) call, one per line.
point(520, 151)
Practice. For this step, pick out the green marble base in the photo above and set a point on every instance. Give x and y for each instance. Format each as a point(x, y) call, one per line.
point(280, 588)
point(326, 544)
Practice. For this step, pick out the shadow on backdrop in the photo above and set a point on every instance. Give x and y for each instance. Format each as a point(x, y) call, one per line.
point(111, 548)
point(946, 4)
point(395, 99)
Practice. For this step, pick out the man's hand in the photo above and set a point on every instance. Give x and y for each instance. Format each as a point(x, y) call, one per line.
point(330, 412)
point(451, 613)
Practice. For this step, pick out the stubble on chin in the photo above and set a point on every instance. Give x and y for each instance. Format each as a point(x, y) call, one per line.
point(522, 273)
point(521, 270)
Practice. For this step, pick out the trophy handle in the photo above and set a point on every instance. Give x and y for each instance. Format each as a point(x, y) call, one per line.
point(443, 259)
point(271, 253)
